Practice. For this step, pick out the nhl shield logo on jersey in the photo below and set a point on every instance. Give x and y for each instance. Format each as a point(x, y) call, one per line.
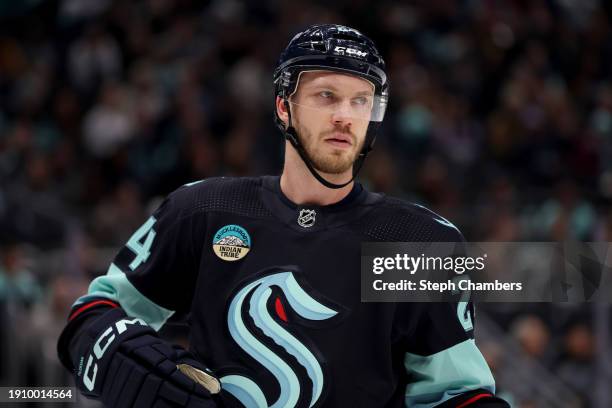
point(307, 218)
point(231, 243)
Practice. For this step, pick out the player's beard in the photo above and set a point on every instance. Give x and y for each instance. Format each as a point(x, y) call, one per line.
point(338, 161)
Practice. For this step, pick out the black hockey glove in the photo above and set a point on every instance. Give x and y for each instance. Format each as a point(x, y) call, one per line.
point(121, 361)
point(475, 399)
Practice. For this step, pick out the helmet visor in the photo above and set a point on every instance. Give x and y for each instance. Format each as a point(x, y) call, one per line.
point(354, 99)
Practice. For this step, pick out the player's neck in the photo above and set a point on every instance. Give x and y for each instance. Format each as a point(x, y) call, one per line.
point(300, 186)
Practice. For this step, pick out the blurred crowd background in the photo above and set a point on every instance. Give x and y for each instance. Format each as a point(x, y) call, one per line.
point(500, 119)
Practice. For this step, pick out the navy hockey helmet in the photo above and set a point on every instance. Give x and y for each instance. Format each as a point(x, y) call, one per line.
point(332, 47)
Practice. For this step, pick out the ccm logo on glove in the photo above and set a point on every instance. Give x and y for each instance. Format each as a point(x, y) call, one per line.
point(89, 378)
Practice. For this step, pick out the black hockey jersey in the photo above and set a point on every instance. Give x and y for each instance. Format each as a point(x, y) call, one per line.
point(272, 294)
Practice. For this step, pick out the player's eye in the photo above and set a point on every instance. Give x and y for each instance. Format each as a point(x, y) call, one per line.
point(361, 100)
point(326, 95)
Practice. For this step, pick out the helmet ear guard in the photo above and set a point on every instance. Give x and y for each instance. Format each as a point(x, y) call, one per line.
point(337, 48)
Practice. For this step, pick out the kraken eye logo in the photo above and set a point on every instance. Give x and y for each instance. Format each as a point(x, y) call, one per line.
point(246, 390)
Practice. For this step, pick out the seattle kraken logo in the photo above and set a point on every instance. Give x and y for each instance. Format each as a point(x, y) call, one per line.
point(245, 389)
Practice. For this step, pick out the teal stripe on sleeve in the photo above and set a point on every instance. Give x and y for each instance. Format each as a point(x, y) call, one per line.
point(446, 374)
point(116, 286)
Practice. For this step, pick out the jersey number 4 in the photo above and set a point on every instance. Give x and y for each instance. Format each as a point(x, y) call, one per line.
point(140, 242)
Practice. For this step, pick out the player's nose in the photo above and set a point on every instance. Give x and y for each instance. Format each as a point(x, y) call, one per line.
point(342, 114)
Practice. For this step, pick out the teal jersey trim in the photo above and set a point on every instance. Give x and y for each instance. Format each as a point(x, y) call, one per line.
point(116, 286)
point(446, 374)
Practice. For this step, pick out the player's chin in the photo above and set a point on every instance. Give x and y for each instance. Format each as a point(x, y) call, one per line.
point(335, 165)
point(338, 157)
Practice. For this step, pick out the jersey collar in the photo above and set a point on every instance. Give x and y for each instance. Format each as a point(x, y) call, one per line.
point(311, 218)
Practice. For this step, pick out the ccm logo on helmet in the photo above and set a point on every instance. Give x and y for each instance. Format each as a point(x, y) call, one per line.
point(89, 378)
point(352, 52)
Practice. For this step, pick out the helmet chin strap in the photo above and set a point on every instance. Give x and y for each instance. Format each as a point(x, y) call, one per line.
point(291, 135)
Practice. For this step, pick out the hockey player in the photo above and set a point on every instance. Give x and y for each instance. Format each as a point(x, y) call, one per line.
point(266, 272)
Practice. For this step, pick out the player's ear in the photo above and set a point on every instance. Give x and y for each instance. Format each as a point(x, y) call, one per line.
point(281, 110)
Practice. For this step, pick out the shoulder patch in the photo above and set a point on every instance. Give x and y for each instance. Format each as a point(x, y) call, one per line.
point(231, 242)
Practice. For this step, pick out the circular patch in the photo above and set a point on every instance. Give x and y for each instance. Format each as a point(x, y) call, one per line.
point(231, 243)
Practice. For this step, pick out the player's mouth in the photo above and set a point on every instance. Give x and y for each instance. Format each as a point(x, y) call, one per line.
point(341, 140)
